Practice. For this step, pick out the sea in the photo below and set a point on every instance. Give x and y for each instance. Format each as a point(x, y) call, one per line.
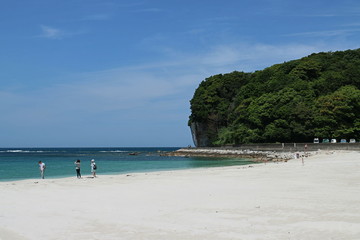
point(22, 163)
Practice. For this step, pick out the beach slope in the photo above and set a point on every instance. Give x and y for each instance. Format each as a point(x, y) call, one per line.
point(284, 200)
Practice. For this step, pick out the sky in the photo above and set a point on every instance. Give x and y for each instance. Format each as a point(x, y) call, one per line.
point(121, 73)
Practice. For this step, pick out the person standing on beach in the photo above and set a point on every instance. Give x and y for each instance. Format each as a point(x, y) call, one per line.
point(42, 169)
point(77, 168)
point(93, 168)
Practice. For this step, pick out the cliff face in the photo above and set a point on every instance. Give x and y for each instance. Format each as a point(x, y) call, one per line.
point(199, 136)
point(315, 96)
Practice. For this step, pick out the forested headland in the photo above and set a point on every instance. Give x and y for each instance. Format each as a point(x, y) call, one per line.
point(315, 96)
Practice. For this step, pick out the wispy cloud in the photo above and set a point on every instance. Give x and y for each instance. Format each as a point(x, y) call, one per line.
point(51, 32)
point(149, 10)
point(352, 24)
point(320, 15)
point(56, 33)
point(96, 17)
point(330, 12)
point(326, 33)
point(249, 57)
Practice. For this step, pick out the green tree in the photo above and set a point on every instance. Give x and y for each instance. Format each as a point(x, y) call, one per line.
point(316, 96)
point(337, 113)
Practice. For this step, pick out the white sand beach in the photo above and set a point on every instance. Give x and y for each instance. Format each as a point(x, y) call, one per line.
point(280, 201)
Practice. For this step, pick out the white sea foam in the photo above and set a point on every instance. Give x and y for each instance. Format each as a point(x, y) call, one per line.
point(114, 151)
point(22, 151)
point(17, 151)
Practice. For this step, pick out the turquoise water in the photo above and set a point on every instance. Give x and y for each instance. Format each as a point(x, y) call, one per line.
point(22, 163)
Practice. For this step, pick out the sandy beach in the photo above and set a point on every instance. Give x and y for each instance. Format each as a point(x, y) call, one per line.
point(282, 201)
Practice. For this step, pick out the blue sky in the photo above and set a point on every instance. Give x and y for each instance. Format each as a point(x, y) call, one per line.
point(85, 73)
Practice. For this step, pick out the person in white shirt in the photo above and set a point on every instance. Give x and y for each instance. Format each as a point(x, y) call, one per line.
point(42, 169)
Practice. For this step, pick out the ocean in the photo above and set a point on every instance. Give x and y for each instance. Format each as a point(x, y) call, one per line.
point(22, 163)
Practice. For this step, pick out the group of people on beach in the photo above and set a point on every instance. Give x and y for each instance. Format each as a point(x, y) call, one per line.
point(93, 168)
point(77, 163)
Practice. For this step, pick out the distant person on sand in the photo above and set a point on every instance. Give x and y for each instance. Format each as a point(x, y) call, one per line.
point(77, 168)
point(93, 168)
point(42, 169)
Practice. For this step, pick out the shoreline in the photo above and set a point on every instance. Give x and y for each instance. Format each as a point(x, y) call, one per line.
point(275, 200)
point(256, 155)
point(101, 177)
point(114, 174)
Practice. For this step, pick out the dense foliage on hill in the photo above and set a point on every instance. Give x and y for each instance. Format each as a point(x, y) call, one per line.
point(316, 96)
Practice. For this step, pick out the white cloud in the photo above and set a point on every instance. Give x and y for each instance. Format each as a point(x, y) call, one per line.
point(56, 33)
point(249, 57)
point(96, 17)
point(153, 10)
point(327, 33)
point(50, 32)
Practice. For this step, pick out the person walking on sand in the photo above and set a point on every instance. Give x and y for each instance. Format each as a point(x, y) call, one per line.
point(77, 168)
point(93, 168)
point(42, 169)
